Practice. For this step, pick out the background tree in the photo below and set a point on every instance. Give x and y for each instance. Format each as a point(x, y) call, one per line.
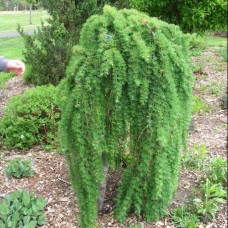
point(7, 3)
point(2, 5)
point(16, 4)
point(128, 84)
point(47, 53)
point(31, 2)
point(191, 16)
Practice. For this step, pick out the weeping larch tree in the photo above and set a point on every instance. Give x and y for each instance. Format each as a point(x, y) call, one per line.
point(128, 90)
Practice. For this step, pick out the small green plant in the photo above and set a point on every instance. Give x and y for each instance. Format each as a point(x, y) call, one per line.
point(194, 159)
point(19, 168)
point(212, 196)
point(4, 77)
point(197, 44)
point(204, 202)
point(216, 171)
point(182, 217)
point(213, 88)
point(22, 209)
point(198, 66)
point(30, 118)
point(199, 106)
point(2, 156)
point(223, 53)
point(135, 226)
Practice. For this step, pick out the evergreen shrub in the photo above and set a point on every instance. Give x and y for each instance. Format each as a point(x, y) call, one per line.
point(30, 118)
point(47, 53)
point(129, 84)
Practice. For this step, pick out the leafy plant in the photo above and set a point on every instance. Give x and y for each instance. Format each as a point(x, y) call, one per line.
point(216, 171)
point(213, 194)
point(129, 81)
point(22, 209)
point(199, 106)
point(213, 88)
point(223, 53)
point(199, 66)
point(191, 16)
point(182, 217)
point(197, 44)
point(19, 168)
point(195, 158)
point(30, 118)
point(204, 202)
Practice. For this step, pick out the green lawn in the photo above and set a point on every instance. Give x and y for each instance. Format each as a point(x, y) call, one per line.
point(11, 48)
point(10, 21)
point(216, 41)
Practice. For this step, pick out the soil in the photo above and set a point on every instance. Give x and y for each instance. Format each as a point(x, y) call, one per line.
point(51, 178)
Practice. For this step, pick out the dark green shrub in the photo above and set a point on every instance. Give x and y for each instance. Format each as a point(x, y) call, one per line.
point(30, 118)
point(48, 52)
point(19, 168)
point(129, 82)
point(191, 16)
point(22, 209)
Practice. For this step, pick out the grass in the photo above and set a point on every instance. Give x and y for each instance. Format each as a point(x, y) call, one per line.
point(11, 48)
point(3, 78)
point(216, 41)
point(10, 21)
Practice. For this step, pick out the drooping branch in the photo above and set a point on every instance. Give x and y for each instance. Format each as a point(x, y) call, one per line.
point(126, 86)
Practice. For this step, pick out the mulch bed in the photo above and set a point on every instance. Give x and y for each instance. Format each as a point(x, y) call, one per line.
point(51, 174)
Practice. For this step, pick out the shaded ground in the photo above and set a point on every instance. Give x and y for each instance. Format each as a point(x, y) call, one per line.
point(51, 177)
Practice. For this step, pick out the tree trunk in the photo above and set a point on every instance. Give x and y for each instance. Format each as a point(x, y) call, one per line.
point(103, 185)
point(30, 14)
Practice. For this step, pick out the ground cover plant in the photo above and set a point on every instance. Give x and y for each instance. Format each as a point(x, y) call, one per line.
point(22, 209)
point(204, 201)
point(19, 168)
point(117, 85)
point(200, 106)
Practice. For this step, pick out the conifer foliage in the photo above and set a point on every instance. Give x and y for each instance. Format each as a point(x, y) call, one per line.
point(129, 84)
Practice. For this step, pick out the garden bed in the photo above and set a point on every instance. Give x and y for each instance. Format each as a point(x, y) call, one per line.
point(51, 175)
